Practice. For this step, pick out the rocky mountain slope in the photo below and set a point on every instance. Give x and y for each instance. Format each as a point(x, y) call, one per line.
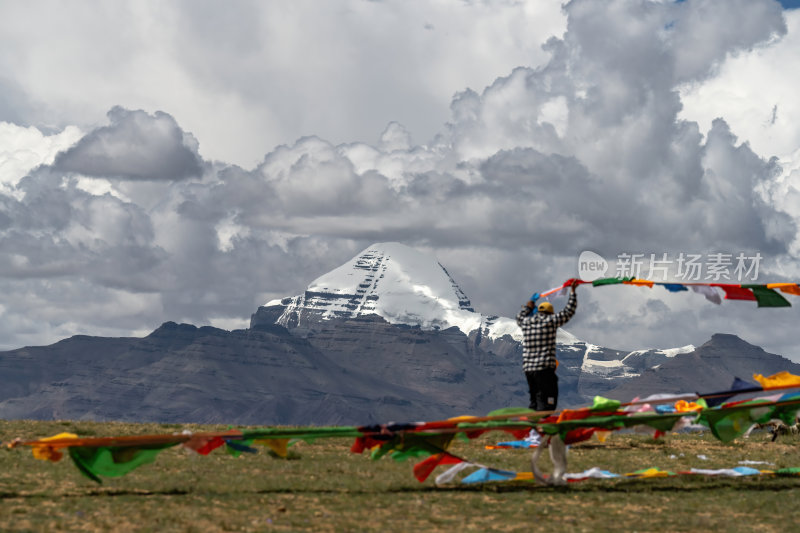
point(710, 367)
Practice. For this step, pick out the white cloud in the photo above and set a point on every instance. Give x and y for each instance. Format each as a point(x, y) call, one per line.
point(247, 76)
point(23, 149)
point(756, 92)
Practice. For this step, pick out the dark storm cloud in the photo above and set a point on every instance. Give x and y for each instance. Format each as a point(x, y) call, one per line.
point(135, 146)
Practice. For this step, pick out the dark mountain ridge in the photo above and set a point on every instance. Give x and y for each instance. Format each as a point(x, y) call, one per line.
point(710, 367)
point(355, 371)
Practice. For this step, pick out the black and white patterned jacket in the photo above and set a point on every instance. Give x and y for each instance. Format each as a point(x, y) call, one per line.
point(539, 335)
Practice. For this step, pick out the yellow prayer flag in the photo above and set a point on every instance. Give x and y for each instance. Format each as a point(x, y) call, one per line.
point(45, 452)
point(279, 446)
point(602, 435)
point(650, 472)
point(779, 380)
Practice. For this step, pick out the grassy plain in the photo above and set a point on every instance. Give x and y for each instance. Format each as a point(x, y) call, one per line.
point(324, 487)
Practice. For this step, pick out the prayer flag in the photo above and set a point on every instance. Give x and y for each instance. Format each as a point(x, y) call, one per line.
point(779, 380)
point(423, 469)
point(48, 452)
point(113, 461)
point(710, 293)
point(739, 386)
point(600, 403)
point(204, 445)
point(788, 288)
point(735, 292)
point(639, 282)
point(489, 474)
point(610, 281)
point(767, 297)
point(278, 446)
point(237, 447)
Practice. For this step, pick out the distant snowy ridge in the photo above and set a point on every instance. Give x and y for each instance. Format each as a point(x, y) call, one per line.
point(670, 352)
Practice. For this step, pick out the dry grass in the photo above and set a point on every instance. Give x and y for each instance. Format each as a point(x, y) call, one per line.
point(329, 489)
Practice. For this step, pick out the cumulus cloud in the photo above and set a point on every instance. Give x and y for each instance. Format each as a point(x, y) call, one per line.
point(585, 150)
point(760, 106)
point(135, 146)
point(247, 76)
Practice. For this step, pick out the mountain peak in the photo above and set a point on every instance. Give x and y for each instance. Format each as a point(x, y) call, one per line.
point(727, 341)
point(399, 283)
point(394, 272)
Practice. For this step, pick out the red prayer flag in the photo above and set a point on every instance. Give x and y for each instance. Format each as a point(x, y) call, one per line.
point(735, 292)
point(203, 444)
point(366, 443)
point(210, 446)
point(423, 469)
point(579, 435)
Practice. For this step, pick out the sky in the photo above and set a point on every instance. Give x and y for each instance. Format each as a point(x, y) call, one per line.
point(192, 160)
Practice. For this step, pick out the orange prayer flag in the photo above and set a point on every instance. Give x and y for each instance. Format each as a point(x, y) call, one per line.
point(682, 406)
point(788, 288)
point(639, 282)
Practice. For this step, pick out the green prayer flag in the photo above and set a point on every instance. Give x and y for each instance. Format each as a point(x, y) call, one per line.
point(787, 413)
point(661, 422)
point(605, 404)
point(113, 461)
point(610, 281)
point(511, 411)
point(767, 297)
point(407, 446)
point(729, 423)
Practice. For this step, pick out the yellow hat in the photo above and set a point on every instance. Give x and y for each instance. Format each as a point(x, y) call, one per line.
point(545, 307)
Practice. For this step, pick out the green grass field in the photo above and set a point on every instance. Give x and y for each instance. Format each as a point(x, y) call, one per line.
point(324, 487)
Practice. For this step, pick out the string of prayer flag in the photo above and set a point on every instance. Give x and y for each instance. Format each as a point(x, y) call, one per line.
point(765, 295)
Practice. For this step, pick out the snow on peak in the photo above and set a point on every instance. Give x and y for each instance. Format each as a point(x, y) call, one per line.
point(667, 352)
point(403, 278)
point(672, 352)
point(400, 284)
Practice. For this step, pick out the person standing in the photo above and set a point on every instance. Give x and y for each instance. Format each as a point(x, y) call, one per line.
point(539, 348)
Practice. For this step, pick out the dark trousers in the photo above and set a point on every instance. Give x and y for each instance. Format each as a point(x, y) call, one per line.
point(543, 387)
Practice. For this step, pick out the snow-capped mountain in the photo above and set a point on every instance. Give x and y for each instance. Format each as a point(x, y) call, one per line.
point(407, 287)
point(396, 282)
